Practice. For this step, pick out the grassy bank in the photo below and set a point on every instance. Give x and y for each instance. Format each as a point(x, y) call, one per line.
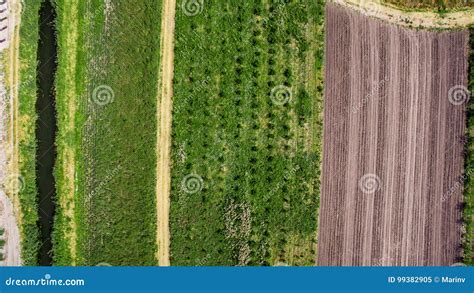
point(246, 133)
point(440, 5)
point(27, 124)
point(468, 240)
point(68, 89)
point(113, 139)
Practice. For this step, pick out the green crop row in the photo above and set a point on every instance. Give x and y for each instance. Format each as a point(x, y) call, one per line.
point(247, 115)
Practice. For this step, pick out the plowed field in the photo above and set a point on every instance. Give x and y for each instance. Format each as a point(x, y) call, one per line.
point(393, 143)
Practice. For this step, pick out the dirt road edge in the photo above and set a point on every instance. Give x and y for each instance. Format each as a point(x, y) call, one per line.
point(163, 147)
point(10, 211)
point(411, 19)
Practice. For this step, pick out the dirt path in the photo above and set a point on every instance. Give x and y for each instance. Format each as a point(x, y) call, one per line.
point(393, 143)
point(414, 19)
point(163, 147)
point(12, 249)
point(10, 217)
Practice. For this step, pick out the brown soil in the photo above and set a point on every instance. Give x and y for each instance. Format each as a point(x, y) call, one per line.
point(387, 113)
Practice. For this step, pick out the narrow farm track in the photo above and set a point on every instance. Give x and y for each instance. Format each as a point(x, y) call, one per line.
point(163, 148)
point(10, 207)
point(8, 222)
point(393, 143)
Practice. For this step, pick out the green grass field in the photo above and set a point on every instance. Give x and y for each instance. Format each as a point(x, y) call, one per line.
point(68, 86)
point(115, 134)
point(246, 137)
point(27, 125)
point(246, 133)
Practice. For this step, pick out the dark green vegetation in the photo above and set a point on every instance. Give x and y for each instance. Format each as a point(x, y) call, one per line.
point(2, 243)
point(259, 160)
point(27, 124)
point(437, 4)
point(468, 215)
point(114, 136)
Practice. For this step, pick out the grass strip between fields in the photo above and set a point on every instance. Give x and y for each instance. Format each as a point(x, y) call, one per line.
point(468, 214)
point(26, 124)
point(65, 231)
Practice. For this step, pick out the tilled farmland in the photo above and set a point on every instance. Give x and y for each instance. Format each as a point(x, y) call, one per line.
point(394, 127)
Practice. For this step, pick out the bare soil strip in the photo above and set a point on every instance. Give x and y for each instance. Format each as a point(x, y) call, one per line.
point(393, 143)
point(11, 249)
point(10, 216)
point(163, 146)
point(414, 19)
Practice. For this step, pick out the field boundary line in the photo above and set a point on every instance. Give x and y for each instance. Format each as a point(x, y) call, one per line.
point(411, 19)
point(66, 155)
point(13, 79)
point(163, 115)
